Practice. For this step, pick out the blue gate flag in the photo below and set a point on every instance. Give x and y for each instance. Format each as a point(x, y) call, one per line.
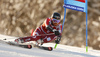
point(78, 5)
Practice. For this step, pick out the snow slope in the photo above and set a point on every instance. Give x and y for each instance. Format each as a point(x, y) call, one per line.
point(60, 51)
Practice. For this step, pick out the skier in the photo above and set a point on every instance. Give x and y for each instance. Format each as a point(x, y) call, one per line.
point(50, 30)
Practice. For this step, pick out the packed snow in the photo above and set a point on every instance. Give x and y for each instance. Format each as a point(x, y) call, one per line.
point(60, 51)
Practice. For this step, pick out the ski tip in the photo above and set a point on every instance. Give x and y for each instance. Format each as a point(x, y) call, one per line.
point(5, 39)
point(29, 46)
point(50, 48)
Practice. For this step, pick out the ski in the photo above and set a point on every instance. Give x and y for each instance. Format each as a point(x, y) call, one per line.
point(30, 46)
point(45, 48)
point(19, 45)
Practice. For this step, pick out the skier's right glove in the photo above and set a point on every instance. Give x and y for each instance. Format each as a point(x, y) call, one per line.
point(53, 30)
point(56, 32)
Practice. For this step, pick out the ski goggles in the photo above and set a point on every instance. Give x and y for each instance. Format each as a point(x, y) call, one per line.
point(56, 21)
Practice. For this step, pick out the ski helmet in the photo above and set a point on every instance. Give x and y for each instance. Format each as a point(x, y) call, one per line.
point(56, 16)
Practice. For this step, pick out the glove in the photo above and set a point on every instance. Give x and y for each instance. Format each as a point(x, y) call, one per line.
point(56, 32)
point(57, 41)
point(49, 28)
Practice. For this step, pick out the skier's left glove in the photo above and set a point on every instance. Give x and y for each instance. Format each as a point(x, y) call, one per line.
point(57, 41)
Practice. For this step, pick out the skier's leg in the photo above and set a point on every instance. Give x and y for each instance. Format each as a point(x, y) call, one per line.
point(38, 32)
point(27, 39)
point(49, 38)
point(33, 37)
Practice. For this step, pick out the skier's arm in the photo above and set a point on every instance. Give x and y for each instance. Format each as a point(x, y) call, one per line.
point(57, 41)
point(46, 22)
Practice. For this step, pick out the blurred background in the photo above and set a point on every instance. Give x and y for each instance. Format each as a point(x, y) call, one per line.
point(19, 17)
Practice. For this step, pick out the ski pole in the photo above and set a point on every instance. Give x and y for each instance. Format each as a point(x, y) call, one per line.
point(8, 38)
point(55, 46)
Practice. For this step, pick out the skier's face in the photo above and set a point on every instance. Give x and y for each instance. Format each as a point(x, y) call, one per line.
point(55, 22)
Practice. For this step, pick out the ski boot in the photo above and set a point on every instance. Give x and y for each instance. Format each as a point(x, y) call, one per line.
point(38, 42)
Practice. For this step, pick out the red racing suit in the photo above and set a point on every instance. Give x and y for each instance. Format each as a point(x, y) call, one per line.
point(44, 33)
point(42, 30)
